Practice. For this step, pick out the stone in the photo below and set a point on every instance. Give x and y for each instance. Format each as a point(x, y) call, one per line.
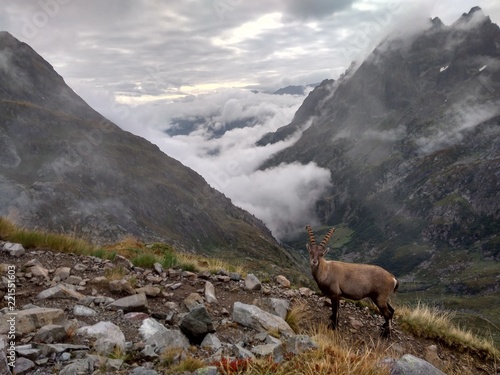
point(196, 324)
point(62, 272)
point(121, 261)
point(211, 341)
point(242, 353)
point(29, 320)
point(411, 365)
point(74, 280)
point(158, 268)
point(189, 275)
point(276, 306)
point(235, 276)
point(264, 350)
point(306, 292)
point(23, 366)
point(28, 351)
point(143, 371)
point(209, 370)
point(193, 300)
point(293, 346)
point(150, 327)
point(356, 324)
point(39, 271)
point(51, 333)
point(79, 310)
point(121, 286)
point(60, 291)
point(210, 293)
point(172, 338)
point(108, 337)
point(252, 282)
point(253, 317)
point(80, 267)
point(80, 366)
point(136, 316)
point(15, 249)
point(223, 278)
point(4, 363)
point(136, 302)
point(149, 290)
point(283, 281)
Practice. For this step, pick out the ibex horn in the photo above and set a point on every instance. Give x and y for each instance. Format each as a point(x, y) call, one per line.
point(312, 240)
point(327, 237)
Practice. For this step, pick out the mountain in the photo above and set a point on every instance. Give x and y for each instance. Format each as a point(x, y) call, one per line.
point(412, 140)
point(64, 167)
point(294, 90)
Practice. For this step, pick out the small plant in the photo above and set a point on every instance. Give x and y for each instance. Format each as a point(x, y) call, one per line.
point(144, 260)
point(228, 366)
point(189, 364)
point(299, 315)
point(169, 260)
point(187, 266)
point(115, 273)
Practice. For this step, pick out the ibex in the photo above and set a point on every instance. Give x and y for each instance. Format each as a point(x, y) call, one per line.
point(351, 280)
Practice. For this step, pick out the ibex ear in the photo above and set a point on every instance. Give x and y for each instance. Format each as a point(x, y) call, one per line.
point(326, 250)
point(308, 248)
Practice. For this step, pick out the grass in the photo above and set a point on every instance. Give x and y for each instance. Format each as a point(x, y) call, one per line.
point(431, 323)
point(299, 317)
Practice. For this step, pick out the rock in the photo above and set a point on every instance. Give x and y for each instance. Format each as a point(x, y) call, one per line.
point(211, 341)
point(149, 290)
point(293, 346)
point(39, 271)
point(276, 306)
point(150, 327)
point(210, 293)
point(100, 280)
point(193, 300)
point(121, 286)
point(80, 267)
point(28, 351)
point(79, 310)
point(242, 353)
point(223, 278)
point(80, 366)
point(356, 324)
point(209, 370)
point(252, 282)
point(74, 280)
point(50, 333)
point(62, 272)
point(136, 302)
point(23, 365)
point(260, 320)
point(158, 268)
point(29, 320)
point(4, 362)
point(171, 339)
point(283, 281)
point(411, 365)
point(175, 286)
point(189, 275)
point(196, 324)
point(306, 292)
point(136, 316)
point(235, 276)
point(143, 371)
point(60, 291)
point(109, 336)
point(121, 261)
point(15, 249)
point(264, 350)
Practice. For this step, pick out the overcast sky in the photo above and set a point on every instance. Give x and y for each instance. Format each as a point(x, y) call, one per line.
point(147, 49)
point(145, 63)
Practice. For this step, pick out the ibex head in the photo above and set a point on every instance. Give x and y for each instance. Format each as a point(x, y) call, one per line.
point(316, 252)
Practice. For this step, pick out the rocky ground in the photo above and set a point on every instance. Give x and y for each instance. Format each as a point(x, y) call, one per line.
point(73, 312)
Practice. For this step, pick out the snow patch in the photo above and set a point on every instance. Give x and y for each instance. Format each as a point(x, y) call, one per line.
point(443, 68)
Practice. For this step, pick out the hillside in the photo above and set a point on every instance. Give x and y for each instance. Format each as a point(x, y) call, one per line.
point(411, 138)
point(66, 168)
point(85, 314)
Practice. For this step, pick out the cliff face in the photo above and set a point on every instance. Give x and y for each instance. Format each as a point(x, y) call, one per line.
point(412, 139)
point(64, 167)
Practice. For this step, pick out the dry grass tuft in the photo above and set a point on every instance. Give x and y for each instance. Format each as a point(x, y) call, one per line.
point(299, 317)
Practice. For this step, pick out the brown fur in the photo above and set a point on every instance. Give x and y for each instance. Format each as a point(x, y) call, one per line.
point(351, 280)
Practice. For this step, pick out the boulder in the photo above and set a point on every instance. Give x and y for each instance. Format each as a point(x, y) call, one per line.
point(108, 337)
point(260, 320)
point(252, 282)
point(411, 365)
point(136, 302)
point(276, 306)
point(51, 333)
point(210, 293)
point(196, 324)
point(29, 320)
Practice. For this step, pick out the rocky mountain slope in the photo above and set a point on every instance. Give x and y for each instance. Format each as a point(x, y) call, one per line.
point(77, 314)
point(412, 139)
point(64, 167)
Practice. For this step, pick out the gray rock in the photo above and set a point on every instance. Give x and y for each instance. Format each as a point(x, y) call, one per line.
point(121, 286)
point(4, 362)
point(411, 365)
point(79, 310)
point(60, 291)
point(23, 365)
point(193, 301)
point(209, 370)
point(62, 272)
point(109, 336)
point(15, 249)
point(50, 333)
point(242, 353)
point(121, 261)
point(28, 351)
point(264, 350)
point(196, 324)
point(282, 281)
point(143, 371)
point(172, 338)
point(29, 320)
point(210, 293)
point(260, 320)
point(48, 349)
point(136, 302)
point(150, 327)
point(235, 276)
point(293, 345)
point(276, 306)
point(252, 282)
point(149, 352)
point(158, 268)
point(80, 366)
point(149, 290)
point(211, 341)
point(74, 280)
